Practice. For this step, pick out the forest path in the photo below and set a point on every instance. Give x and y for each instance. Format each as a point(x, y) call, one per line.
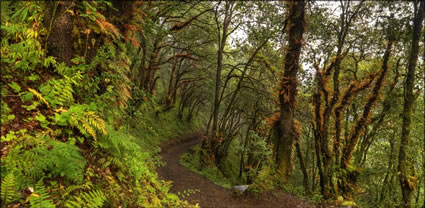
point(211, 195)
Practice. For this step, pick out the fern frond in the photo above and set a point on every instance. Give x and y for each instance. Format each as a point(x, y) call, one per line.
point(89, 129)
point(40, 197)
point(92, 199)
point(63, 90)
point(61, 110)
point(8, 190)
point(70, 189)
point(39, 96)
point(95, 121)
point(58, 159)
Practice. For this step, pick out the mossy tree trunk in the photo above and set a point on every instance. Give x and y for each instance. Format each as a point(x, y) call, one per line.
point(406, 178)
point(288, 88)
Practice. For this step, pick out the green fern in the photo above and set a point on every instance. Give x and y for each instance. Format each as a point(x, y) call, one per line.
point(117, 142)
point(40, 197)
point(59, 159)
point(70, 189)
point(8, 190)
point(92, 199)
point(39, 96)
point(87, 185)
point(58, 92)
point(95, 121)
point(18, 162)
point(80, 116)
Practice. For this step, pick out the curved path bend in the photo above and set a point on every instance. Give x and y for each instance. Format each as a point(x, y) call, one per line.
point(211, 195)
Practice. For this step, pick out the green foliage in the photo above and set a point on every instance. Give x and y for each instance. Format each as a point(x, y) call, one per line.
point(12, 135)
point(153, 128)
point(18, 162)
point(9, 189)
point(26, 96)
point(118, 142)
point(83, 118)
point(56, 158)
point(16, 88)
point(266, 180)
point(5, 110)
point(92, 199)
point(317, 197)
point(40, 197)
point(6, 115)
point(258, 147)
point(20, 47)
point(58, 92)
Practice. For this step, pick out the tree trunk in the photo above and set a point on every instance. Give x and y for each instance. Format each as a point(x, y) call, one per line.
point(288, 88)
point(170, 83)
point(59, 23)
point(209, 144)
point(241, 164)
point(306, 183)
point(405, 168)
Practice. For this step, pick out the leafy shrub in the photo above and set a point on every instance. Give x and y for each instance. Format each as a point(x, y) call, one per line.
point(265, 180)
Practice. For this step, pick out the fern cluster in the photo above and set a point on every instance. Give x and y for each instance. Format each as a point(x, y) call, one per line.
point(40, 197)
point(58, 159)
point(85, 99)
point(92, 199)
point(9, 191)
point(81, 117)
point(19, 162)
point(58, 92)
point(91, 122)
point(118, 142)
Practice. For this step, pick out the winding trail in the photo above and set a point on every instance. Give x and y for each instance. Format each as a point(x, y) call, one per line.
point(211, 195)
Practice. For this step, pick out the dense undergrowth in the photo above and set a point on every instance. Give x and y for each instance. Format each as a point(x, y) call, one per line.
point(74, 134)
point(117, 170)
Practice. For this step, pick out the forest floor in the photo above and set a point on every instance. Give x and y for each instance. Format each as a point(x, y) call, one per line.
point(210, 194)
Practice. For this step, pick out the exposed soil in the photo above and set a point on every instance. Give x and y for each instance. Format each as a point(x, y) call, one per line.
point(211, 195)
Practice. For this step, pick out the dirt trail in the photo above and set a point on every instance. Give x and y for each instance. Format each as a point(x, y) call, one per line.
point(211, 195)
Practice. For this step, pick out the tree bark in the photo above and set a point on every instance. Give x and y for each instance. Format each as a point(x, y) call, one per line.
point(306, 183)
point(59, 24)
point(407, 181)
point(288, 88)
